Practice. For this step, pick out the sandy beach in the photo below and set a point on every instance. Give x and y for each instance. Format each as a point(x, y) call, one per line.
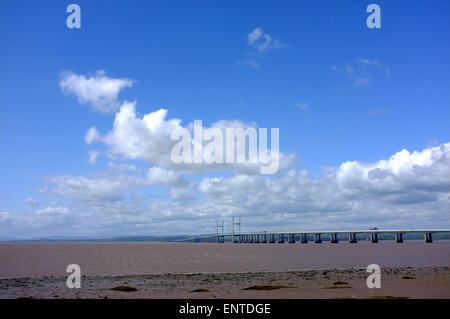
point(334, 283)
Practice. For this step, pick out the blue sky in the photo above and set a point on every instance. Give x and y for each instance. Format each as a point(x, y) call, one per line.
point(337, 90)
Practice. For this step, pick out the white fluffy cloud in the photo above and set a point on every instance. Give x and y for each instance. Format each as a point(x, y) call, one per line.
point(262, 41)
point(406, 190)
point(404, 177)
point(93, 156)
point(180, 194)
point(100, 91)
point(107, 187)
point(148, 138)
point(163, 177)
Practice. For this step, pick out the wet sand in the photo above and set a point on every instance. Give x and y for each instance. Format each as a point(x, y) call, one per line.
point(174, 270)
point(334, 283)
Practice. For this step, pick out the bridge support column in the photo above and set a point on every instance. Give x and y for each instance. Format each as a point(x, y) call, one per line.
point(303, 238)
point(428, 238)
point(257, 239)
point(333, 238)
point(352, 238)
point(374, 237)
point(399, 237)
point(317, 238)
point(271, 239)
point(264, 239)
point(281, 238)
point(251, 239)
point(291, 238)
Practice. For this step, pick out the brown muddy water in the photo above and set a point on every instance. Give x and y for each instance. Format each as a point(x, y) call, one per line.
point(96, 259)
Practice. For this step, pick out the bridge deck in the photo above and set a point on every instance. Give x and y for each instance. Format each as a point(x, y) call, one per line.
point(359, 231)
point(320, 232)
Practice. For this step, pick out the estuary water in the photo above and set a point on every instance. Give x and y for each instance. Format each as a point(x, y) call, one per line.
point(112, 258)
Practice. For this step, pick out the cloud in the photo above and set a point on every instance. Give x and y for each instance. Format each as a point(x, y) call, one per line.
point(51, 212)
point(250, 62)
point(4, 217)
point(93, 155)
point(148, 138)
point(301, 105)
point(409, 189)
point(181, 194)
point(106, 187)
point(262, 42)
point(163, 177)
point(32, 202)
point(406, 190)
point(360, 72)
point(92, 136)
point(376, 64)
point(378, 112)
point(361, 81)
point(100, 91)
point(404, 172)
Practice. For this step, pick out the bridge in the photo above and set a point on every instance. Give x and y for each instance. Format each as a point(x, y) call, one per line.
point(302, 236)
point(290, 237)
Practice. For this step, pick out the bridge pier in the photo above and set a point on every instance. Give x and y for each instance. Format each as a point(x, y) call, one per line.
point(281, 239)
point(264, 239)
point(251, 239)
point(428, 238)
point(399, 237)
point(317, 239)
point(271, 239)
point(257, 239)
point(304, 238)
point(352, 238)
point(291, 238)
point(333, 238)
point(374, 237)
